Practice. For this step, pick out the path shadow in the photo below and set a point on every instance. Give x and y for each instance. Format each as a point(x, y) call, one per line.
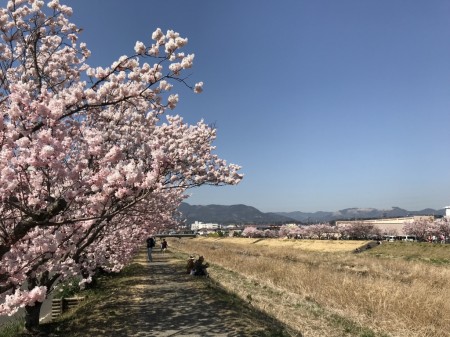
point(160, 300)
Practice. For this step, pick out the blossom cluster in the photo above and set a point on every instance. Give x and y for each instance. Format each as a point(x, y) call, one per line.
point(422, 229)
point(316, 231)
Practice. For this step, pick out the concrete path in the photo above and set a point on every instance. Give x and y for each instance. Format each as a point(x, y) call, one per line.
point(160, 300)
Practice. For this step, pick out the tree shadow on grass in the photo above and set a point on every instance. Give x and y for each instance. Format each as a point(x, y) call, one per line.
point(159, 299)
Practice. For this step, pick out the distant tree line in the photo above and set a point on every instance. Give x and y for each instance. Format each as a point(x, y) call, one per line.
point(422, 230)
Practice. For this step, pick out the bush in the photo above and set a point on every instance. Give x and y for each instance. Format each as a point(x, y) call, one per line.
point(68, 288)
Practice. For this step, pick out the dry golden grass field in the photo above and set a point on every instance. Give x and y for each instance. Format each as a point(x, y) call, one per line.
point(321, 288)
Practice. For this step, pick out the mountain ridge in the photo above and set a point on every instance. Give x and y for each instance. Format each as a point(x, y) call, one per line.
point(359, 213)
point(222, 214)
point(244, 214)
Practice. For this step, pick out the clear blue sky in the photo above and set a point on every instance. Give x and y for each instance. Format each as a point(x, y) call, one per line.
point(326, 104)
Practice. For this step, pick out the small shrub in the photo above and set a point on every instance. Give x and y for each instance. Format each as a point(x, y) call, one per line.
point(68, 288)
point(213, 235)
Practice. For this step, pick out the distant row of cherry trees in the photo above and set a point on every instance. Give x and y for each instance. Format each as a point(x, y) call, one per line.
point(422, 230)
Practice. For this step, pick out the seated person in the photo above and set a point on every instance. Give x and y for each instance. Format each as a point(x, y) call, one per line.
point(200, 268)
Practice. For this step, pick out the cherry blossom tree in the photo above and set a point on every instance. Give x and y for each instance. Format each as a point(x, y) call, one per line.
point(300, 232)
point(359, 230)
point(270, 233)
point(440, 228)
point(252, 232)
point(321, 231)
point(418, 228)
point(284, 231)
point(444, 227)
point(89, 161)
point(291, 231)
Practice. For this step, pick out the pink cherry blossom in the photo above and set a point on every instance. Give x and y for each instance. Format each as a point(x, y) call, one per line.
point(198, 88)
point(89, 166)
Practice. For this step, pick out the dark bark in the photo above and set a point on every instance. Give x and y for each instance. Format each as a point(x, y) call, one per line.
point(32, 313)
point(32, 316)
point(31, 221)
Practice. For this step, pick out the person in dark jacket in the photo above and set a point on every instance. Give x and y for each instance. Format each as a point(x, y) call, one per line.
point(164, 246)
point(150, 245)
point(200, 267)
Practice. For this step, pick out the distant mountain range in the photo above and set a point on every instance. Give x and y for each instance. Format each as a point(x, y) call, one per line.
point(359, 213)
point(236, 214)
point(243, 214)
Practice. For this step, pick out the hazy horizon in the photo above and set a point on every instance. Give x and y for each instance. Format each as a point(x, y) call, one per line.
point(320, 210)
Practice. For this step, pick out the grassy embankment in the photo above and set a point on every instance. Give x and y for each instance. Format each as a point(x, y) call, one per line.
point(321, 288)
point(94, 297)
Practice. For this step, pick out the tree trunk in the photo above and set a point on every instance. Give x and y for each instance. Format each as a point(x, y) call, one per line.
point(32, 316)
point(32, 312)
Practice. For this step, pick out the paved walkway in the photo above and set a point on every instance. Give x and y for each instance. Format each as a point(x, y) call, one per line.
point(159, 300)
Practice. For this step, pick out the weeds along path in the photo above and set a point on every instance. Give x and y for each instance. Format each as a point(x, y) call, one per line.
point(306, 317)
point(159, 299)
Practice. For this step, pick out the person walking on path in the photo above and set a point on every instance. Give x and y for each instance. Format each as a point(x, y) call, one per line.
point(150, 246)
point(164, 246)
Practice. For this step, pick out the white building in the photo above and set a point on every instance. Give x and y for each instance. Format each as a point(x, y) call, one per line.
point(389, 225)
point(197, 225)
point(447, 211)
